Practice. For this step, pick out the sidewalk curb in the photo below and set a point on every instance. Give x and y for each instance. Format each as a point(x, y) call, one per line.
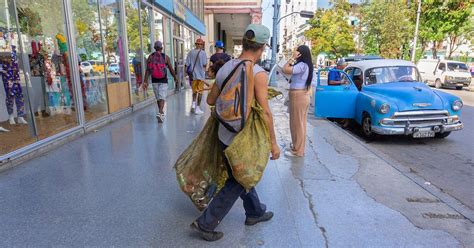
point(450, 201)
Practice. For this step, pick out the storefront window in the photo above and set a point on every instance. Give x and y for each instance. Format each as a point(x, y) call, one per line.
point(16, 124)
point(135, 48)
point(118, 94)
point(89, 49)
point(47, 62)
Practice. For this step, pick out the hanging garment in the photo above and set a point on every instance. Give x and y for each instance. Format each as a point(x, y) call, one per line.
point(11, 83)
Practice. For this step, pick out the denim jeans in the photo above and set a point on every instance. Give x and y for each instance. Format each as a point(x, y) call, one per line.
point(225, 199)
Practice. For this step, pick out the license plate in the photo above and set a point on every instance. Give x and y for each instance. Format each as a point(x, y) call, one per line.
point(424, 134)
point(460, 84)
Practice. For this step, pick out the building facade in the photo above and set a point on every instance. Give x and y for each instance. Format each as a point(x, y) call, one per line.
point(69, 66)
point(293, 27)
point(227, 19)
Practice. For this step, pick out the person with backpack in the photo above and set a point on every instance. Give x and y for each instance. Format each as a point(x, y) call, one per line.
point(220, 54)
point(156, 68)
point(238, 83)
point(196, 62)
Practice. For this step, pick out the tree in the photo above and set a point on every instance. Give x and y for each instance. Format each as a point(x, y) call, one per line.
point(445, 19)
point(387, 28)
point(331, 32)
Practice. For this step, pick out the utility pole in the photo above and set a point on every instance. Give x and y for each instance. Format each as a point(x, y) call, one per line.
point(276, 16)
point(413, 51)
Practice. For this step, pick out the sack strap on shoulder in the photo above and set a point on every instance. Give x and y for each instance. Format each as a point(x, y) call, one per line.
point(226, 80)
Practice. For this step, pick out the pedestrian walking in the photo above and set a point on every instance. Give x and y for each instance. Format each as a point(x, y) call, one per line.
point(230, 77)
point(156, 68)
point(300, 66)
point(196, 62)
point(220, 54)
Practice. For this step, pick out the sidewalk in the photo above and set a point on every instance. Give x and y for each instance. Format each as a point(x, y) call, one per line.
point(116, 187)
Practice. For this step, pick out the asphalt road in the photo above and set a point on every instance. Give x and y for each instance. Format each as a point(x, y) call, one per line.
point(446, 163)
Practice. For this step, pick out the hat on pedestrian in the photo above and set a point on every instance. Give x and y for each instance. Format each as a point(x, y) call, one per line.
point(158, 44)
point(199, 41)
point(262, 33)
point(219, 44)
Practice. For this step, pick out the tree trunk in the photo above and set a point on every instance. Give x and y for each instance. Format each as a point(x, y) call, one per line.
point(434, 50)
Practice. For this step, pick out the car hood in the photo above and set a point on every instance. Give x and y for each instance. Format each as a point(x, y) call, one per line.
point(407, 95)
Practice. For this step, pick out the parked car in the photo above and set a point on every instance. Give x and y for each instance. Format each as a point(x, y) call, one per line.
point(391, 100)
point(98, 66)
point(86, 67)
point(113, 68)
point(440, 73)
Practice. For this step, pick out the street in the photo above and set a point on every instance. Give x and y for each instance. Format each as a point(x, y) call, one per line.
point(447, 164)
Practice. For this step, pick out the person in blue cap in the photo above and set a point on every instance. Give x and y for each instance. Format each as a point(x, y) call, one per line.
point(220, 54)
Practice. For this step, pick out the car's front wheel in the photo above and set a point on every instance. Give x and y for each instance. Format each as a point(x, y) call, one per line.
point(442, 135)
point(438, 83)
point(367, 127)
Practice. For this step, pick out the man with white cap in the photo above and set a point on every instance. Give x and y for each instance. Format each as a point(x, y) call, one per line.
point(156, 68)
point(255, 38)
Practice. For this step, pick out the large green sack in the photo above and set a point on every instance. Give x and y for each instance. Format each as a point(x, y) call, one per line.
point(249, 152)
point(199, 169)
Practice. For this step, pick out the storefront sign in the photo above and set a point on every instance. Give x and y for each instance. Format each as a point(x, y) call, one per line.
point(179, 10)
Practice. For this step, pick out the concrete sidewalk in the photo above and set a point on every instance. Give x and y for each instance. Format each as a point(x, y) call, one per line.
point(116, 187)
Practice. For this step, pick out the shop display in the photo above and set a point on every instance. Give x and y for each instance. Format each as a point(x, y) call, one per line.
point(13, 89)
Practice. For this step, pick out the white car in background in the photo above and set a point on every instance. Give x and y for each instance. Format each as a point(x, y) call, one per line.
point(87, 68)
point(441, 73)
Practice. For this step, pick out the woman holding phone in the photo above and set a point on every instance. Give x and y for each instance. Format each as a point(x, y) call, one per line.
point(300, 66)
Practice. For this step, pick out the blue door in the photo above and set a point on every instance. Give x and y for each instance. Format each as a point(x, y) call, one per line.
point(336, 101)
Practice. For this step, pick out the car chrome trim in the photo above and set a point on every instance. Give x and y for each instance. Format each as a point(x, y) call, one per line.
point(421, 112)
point(409, 130)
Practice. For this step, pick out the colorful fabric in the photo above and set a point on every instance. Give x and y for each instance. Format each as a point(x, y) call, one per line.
point(11, 83)
point(14, 95)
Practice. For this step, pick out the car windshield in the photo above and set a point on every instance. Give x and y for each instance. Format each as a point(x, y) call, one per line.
point(457, 67)
point(390, 74)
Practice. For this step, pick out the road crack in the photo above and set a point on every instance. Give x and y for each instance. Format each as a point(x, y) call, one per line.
point(309, 197)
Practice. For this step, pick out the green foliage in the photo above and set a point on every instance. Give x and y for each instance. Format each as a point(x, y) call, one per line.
point(388, 28)
point(29, 21)
point(331, 32)
point(442, 19)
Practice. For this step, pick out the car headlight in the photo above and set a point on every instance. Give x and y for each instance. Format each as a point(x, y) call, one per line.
point(384, 108)
point(449, 78)
point(457, 105)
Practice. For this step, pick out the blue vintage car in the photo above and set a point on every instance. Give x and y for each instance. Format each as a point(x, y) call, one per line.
point(387, 97)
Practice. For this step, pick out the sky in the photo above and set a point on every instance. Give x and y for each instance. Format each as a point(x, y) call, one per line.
point(267, 9)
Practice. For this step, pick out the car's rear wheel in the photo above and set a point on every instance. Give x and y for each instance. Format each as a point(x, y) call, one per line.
point(442, 135)
point(367, 127)
point(438, 83)
point(459, 87)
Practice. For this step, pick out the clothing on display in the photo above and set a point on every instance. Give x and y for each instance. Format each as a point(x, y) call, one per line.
point(12, 84)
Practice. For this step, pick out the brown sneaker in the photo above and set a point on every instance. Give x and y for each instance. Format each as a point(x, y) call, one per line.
point(206, 235)
point(249, 221)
